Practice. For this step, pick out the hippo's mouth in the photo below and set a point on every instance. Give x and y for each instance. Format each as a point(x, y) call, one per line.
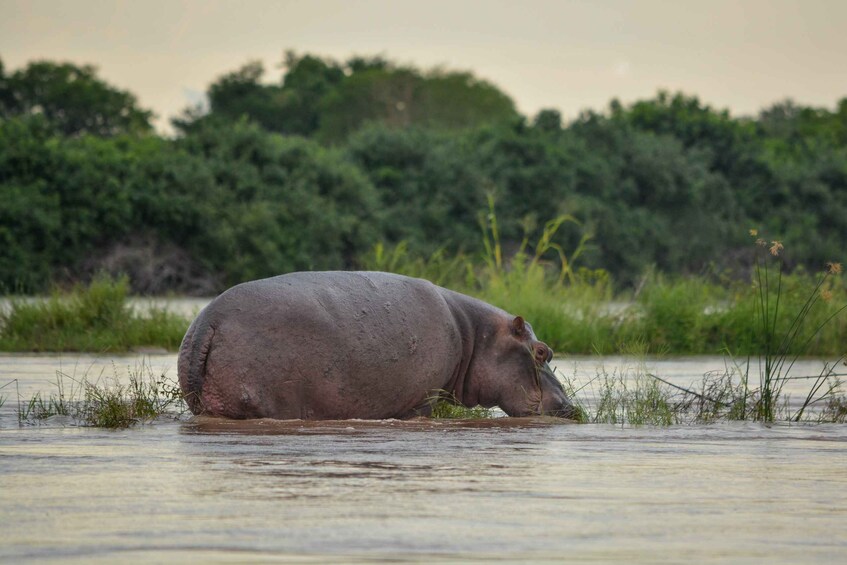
point(554, 402)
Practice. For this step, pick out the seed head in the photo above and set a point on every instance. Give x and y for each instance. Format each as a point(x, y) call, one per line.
point(826, 295)
point(754, 232)
point(833, 268)
point(776, 247)
point(761, 242)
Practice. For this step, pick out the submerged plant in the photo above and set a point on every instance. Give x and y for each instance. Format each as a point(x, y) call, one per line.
point(2, 396)
point(834, 410)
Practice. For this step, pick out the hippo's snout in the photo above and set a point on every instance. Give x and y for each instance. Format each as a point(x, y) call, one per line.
point(554, 400)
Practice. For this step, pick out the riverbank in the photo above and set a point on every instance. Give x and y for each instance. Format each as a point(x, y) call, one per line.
point(99, 317)
point(682, 316)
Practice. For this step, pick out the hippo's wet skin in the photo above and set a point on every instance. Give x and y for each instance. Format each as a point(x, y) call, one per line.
point(338, 345)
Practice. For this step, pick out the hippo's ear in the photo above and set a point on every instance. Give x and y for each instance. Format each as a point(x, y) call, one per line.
point(518, 326)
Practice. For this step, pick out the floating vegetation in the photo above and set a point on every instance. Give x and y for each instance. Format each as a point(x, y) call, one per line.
point(446, 407)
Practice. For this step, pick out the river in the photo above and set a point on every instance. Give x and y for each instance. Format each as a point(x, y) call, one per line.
point(511, 490)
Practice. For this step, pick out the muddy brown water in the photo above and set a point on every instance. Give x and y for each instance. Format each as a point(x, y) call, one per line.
point(512, 490)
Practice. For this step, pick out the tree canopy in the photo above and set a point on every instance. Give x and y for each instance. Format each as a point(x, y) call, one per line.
point(72, 98)
point(331, 100)
point(312, 172)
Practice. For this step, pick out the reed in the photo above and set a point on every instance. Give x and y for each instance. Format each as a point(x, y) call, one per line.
point(3, 396)
point(632, 396)
point(786, 334)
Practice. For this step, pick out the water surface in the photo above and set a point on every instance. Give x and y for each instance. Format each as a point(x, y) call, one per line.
point(511, 490)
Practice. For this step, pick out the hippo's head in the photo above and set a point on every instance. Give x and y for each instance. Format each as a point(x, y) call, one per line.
point(520, 377)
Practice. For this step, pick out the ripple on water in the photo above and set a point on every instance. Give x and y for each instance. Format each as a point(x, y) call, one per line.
point(511, 489)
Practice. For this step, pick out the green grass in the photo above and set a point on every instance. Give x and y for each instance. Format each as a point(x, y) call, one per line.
point(676, 316)
point(444, 409)
point(106, 402)
point(627, 396)
point(631, 396)
point(575, 311)
point(95, 317)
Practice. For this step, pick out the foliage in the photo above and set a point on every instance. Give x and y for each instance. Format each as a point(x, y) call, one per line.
point(92, 318)
point(240, 202)
point(429, 195)
point(659, 187)
point(331, 100)
point(455, 272)
point(785, 345)
point(116, 402)
point(403, 97)
point(251, 204)
point(63, 198)
point(72, 98)
point(564, 308)
point(575, 311)
point(290, 107)
point(631, 396)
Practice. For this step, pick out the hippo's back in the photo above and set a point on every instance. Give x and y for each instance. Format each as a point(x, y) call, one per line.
point(319, 345)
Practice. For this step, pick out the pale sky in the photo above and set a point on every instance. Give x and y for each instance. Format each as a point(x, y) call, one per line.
point(568, 55)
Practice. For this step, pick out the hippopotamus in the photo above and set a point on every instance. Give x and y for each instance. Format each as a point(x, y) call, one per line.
point(364, 345)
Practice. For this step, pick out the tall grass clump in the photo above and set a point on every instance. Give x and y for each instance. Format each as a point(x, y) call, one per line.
point(675, 316)
point(565, 306)
point(106, 402)
point(95, 317)
point(632, 396)
point(455, 272)
point(788, 323)
point(774, 321)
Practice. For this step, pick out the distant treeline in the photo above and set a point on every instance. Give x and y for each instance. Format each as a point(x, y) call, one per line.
point(312, 172)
